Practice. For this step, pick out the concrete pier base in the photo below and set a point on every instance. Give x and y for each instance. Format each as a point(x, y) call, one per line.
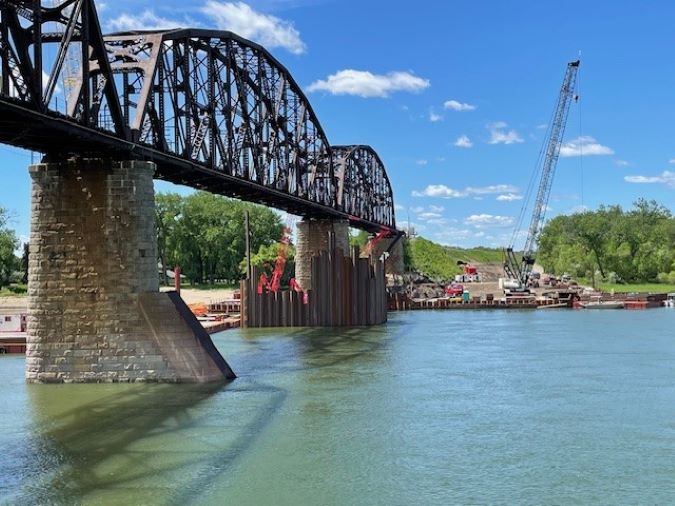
point(312, 238)
point(95, 311)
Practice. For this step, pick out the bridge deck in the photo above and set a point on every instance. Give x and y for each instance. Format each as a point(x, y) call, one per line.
point(54, 132)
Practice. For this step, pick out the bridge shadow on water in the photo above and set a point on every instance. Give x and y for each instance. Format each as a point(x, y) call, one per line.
point(168, 443)
point(318, 348)
point(133, 441)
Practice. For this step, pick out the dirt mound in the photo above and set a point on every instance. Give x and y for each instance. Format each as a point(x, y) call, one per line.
point(490, 272)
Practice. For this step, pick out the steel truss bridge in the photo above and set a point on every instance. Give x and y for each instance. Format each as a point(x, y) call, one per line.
point(214, 111)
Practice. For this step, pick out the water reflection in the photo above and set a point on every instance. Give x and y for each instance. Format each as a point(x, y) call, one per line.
point(163, 444)
point(539, 407)
point(168, 443)
point(101, 438)
point(314, 348)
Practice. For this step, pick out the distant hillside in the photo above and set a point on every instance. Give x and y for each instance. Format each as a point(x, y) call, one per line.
point(437, 261)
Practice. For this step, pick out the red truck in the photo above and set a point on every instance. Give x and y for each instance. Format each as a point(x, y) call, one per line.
point(454, 290)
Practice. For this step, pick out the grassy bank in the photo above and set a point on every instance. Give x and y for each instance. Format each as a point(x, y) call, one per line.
point(637, 288)
point(14, 291)
point(437, 261)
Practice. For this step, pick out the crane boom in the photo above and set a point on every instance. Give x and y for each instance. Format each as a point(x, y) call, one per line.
point(521, 271)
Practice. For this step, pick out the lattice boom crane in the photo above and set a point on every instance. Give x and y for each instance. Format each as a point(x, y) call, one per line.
point(521, 270)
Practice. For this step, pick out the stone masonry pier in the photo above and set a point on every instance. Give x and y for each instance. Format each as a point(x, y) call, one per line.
point(95, 311)
point(313, 236)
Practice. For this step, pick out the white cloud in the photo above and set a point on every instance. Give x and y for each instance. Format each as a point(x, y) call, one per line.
point(265, 29)
point(443, 191)
point(146, 20)
point(584, 146)
point(671, 161)
point(399, 207)
point(422, 162)
point(429, 216)
point(414, 227)
point(438, 190)
point(450, 236)
point(366, 84)
point(667, 177)
point(541, 126)
point(433, 117)
point(509, 197)
point(458, 106)
point(500, 135)
point(622, 163)
point(495, 188)
point(488, 220)
point(463, 141)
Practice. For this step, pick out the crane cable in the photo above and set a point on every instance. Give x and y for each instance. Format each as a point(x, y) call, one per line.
point(529, 193)
point(581, 136)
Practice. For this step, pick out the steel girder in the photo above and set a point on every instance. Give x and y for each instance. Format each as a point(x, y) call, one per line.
point(223, 102)
point(213, 110)
point(363, 188)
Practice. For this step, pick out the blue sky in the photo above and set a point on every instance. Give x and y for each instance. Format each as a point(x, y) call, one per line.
point(453, 96)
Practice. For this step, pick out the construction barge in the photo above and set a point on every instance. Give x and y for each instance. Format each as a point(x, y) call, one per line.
point(401, 302)
point(569, 300)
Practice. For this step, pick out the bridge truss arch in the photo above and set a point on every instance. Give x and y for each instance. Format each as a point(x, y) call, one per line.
point(363, 187)
point(214, 111)
point(224, 102)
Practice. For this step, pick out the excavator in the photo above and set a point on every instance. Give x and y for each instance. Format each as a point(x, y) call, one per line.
point(519, 271)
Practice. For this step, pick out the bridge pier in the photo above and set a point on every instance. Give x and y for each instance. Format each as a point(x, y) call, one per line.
point(313, 237)
point(95, 310)
point(394, 265)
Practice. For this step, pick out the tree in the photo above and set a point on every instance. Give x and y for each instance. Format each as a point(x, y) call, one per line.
point(24, 263)
point(634, 246)
point(265, 260)
point(360, 239)
point(204, 234)
point(8, 244)
point(168, 209)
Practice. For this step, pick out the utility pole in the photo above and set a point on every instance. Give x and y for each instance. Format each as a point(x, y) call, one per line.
point(247, 231)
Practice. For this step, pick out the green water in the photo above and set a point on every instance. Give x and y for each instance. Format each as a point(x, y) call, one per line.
point(435, 408)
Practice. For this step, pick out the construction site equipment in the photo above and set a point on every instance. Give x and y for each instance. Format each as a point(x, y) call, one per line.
point(274, 283)
point(469, 274)
point(454, 290)
point(520, 270)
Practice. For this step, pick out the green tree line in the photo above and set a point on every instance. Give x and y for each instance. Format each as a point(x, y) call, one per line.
point(616, 245)
point(204, 234)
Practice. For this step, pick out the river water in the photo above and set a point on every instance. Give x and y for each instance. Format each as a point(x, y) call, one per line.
point(434, 408)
